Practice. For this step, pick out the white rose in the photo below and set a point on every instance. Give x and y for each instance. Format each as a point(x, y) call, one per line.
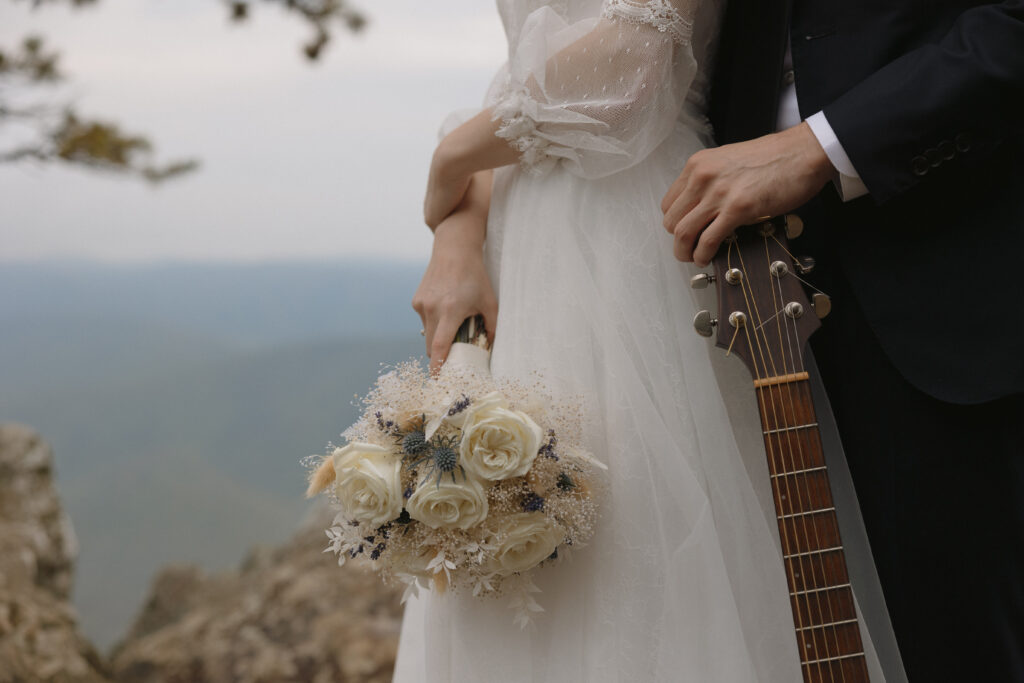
point(497, 442)
point(368, 483)
point(459, 505)
point(522, 540)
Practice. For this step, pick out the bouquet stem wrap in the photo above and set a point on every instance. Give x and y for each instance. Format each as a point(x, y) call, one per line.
point(470, 356)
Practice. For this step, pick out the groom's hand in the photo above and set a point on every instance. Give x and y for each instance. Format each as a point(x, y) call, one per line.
point(725, 187)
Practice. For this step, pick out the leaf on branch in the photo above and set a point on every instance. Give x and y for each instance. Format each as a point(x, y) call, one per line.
point(96, 142)
point(33, 61)
point(100, 145)
point(73, 3)
point(320, 14)
point(155, 175)
point(239, 11)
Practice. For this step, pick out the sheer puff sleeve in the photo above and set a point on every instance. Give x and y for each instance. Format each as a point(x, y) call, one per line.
point(598, 95)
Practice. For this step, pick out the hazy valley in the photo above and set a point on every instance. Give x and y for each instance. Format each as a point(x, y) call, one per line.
point(180, 398)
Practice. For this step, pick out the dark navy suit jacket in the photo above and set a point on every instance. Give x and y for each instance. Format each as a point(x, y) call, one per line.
point(927, 99)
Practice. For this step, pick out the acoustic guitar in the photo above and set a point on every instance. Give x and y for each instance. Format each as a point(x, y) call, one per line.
point(765, 318)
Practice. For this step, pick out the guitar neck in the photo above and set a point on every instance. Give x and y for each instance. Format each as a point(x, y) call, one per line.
point(827, 632)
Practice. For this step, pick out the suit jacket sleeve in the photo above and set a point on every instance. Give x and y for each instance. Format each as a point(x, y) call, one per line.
point(957, 98)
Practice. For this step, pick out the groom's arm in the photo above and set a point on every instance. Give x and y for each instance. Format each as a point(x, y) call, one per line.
point(955, 99)
point(961, 96)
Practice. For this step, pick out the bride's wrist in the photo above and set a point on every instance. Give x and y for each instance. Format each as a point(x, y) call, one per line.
point(472, 147)
point(460, 231)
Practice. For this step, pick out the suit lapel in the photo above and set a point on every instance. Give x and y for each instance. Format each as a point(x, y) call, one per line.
point(748, 68)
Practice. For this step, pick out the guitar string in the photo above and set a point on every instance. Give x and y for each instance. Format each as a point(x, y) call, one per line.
point(802, 558)
point(768, 321)
point(751, 304)
point(804, 464)
point(778, 302)
point(856, 639)
point(783, 528)
point(784, 531)
point(863, 667)
point(796, 359)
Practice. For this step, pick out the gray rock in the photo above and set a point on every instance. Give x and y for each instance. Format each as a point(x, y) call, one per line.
point(289, 614)
point(39, 638)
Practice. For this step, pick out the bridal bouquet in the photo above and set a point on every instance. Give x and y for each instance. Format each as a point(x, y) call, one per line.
point(461, 481)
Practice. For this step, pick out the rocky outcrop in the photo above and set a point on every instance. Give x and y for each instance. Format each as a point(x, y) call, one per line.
point(286, 615)
point(39, 638)
point(289, 614)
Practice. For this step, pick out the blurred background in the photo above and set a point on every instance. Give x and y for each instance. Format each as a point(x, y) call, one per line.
point(210, 233)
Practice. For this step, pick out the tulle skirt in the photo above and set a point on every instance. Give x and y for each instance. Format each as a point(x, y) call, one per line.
point(684, 579)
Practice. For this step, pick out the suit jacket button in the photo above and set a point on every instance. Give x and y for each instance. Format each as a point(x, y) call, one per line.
point(920, 165)
point(934, 158)
point(963, 142)
point(947, 150)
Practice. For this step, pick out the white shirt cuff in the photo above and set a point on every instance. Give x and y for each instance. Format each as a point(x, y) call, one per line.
point(849, 184)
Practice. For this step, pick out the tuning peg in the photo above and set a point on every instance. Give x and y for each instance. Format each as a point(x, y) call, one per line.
point(822, 304)
point(793, 309)
point(701, 280)
point(794, 226)
point(704, 323)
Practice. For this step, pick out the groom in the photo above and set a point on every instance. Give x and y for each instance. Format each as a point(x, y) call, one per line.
point(895, 129)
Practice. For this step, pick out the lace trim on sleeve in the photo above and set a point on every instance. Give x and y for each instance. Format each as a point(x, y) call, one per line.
point(658, 13)
point(520, 130)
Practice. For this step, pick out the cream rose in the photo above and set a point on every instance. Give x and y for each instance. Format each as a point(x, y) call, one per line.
point(523, 540)
point(497, 442)
point(368, 483)
point(459, 505)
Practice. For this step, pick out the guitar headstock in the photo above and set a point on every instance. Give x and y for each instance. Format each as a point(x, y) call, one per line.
point(764, 315)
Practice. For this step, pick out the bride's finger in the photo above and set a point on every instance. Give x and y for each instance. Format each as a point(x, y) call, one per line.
point(490, 313)
point(441, 342)
point(429, 326)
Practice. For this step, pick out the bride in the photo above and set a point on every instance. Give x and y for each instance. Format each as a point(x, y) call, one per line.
point(548, 200)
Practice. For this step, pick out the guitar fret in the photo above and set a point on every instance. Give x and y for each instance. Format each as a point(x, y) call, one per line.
point(822, 606)
point(788, 474)
point(808, 512)
point(813, 552)
point(790, 429)
point(834, 659)
point(818, 590)
point(834, 623)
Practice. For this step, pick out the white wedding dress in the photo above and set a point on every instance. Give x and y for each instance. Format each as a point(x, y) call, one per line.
point(684, 578)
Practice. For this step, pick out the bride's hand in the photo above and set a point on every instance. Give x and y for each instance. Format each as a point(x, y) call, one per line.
point(456, 285)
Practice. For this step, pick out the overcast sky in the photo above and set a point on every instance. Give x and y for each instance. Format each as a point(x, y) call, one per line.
point(299, 160)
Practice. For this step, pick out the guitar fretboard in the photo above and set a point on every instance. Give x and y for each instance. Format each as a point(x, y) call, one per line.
point(827, 632)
